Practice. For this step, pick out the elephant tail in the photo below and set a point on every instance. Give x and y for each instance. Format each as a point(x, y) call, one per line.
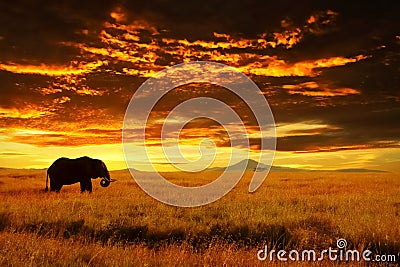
point(47, 178)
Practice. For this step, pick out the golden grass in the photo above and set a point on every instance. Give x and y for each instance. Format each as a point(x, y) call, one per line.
point(122, 226)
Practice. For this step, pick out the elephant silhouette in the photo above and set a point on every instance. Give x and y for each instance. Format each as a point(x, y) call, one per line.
point(65, 171)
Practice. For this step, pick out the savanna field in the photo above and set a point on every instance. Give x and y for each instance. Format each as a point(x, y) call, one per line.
point(122, 226)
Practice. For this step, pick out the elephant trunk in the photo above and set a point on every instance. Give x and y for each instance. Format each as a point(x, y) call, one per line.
point(106, 180)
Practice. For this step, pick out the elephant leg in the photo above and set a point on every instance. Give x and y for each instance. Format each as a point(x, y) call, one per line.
point(86, 185)
point(83, 186)
point(89, 186)
point(58, 188)
point(54, 187)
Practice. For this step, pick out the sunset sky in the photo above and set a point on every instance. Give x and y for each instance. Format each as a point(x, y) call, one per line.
point(328, 69)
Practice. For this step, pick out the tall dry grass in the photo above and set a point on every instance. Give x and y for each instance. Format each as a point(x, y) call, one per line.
point(290, 211)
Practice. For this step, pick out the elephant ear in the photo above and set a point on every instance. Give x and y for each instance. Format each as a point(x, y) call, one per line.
point(103, 165)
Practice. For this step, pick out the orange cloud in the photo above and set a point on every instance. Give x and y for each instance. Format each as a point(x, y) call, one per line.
point(315, 89)
point(228, 42)
point(52, 70)
point(142, 73)
point(71, 138)
point(118, 15)
point(48, 91)
point(24, 113)
point(61, 100)
point(288, 38)
point(88, 91)
point(126, 46)
point(311, 20)
point(317, 22)
point(272, 66)
point(304, 129)
point(133, 27)
point(375, 145)
point(75, 83)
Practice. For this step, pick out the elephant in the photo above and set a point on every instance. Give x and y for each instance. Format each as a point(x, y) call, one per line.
point(65, 171)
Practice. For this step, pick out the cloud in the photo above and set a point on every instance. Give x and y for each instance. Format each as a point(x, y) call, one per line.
point(327, 69)
point(64, 139)
point(315, 89)
point(272, 66)
point(52, 70)
point(25, 113)
point(13, 154)
point(147, 49)
point(392, 144)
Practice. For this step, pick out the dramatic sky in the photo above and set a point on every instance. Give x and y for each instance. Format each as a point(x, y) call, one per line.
point(329, 70)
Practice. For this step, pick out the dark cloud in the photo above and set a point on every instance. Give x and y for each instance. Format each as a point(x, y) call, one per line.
point(15, 88)
point(376, 77)
point(356, 124)
point(59, 33)
point(33, 30)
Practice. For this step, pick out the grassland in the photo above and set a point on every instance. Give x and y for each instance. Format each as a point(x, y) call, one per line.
point(122, 226)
